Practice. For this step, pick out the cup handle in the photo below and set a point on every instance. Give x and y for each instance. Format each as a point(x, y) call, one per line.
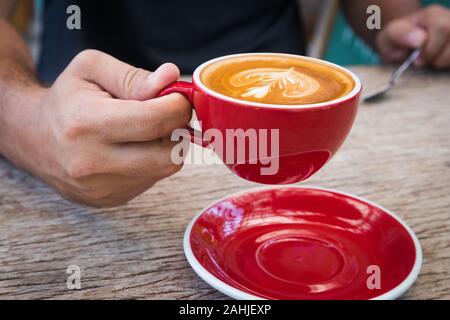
point(186, 89)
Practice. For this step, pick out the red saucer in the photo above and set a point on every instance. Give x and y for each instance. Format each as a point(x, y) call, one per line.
point(301, 243)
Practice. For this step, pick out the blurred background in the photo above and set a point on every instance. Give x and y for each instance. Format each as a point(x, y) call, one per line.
point(328, 35)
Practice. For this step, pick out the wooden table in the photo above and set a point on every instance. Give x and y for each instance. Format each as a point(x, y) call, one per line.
point(398, 155)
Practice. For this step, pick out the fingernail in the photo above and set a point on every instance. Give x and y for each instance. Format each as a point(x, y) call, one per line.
point(416, 38)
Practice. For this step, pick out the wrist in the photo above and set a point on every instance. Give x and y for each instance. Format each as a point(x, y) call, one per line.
point(19, 119)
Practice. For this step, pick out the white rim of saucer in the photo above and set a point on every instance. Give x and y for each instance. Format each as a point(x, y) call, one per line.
point(235, 293)
point(348, 96)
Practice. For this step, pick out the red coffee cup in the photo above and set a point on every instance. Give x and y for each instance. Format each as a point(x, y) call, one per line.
point(308, 135)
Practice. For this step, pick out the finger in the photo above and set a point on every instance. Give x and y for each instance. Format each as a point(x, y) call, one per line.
point(436, 43)
point(398, 38)
point(166, 74)
point(120, 79)
point(134, 121)
point(395, 55)
point(443, 60)
point(144, 160)
point(436, 20)
point(106, 190)
point(420, 62)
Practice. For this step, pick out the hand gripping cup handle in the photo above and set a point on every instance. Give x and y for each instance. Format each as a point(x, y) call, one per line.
point(187, 90)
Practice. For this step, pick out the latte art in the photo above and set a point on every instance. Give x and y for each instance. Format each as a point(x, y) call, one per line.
point(261, 82)
point(276, 79)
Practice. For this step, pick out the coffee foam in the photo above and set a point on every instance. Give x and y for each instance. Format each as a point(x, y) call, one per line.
point(276, 79)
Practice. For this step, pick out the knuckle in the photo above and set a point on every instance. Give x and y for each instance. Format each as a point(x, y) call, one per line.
point(434, 8)
point(186, 110)
point(444, 27)
point(75, 128)
point(97, 201)
point(88, 55)
point(78, 169)
point(182, 110)
point(160, 121)
point(154, 123)
point(130, 77)
point(117, 200)
point(86, 58)
point(172, 168)
point(391, 28)
point(100, 194)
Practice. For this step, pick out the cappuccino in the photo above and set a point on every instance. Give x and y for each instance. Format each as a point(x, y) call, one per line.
point(276, 79)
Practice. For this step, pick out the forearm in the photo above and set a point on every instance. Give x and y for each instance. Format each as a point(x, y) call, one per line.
point(19, 93)
point(355, 12)
point(7, 8)
point(16, 64)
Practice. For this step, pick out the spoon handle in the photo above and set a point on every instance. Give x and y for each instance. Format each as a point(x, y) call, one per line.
point(405, 65)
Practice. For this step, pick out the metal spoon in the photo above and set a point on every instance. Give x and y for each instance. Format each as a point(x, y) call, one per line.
point(394, 77)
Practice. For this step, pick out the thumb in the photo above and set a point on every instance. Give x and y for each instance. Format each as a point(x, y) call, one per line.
point(120, 79)
point(147, 85)
point(398, 38)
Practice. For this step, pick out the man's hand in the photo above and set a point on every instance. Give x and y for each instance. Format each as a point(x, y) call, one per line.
point(428, 28)
point(99, 135)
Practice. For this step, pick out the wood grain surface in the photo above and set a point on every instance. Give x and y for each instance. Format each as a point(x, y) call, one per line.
point(398, 155)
